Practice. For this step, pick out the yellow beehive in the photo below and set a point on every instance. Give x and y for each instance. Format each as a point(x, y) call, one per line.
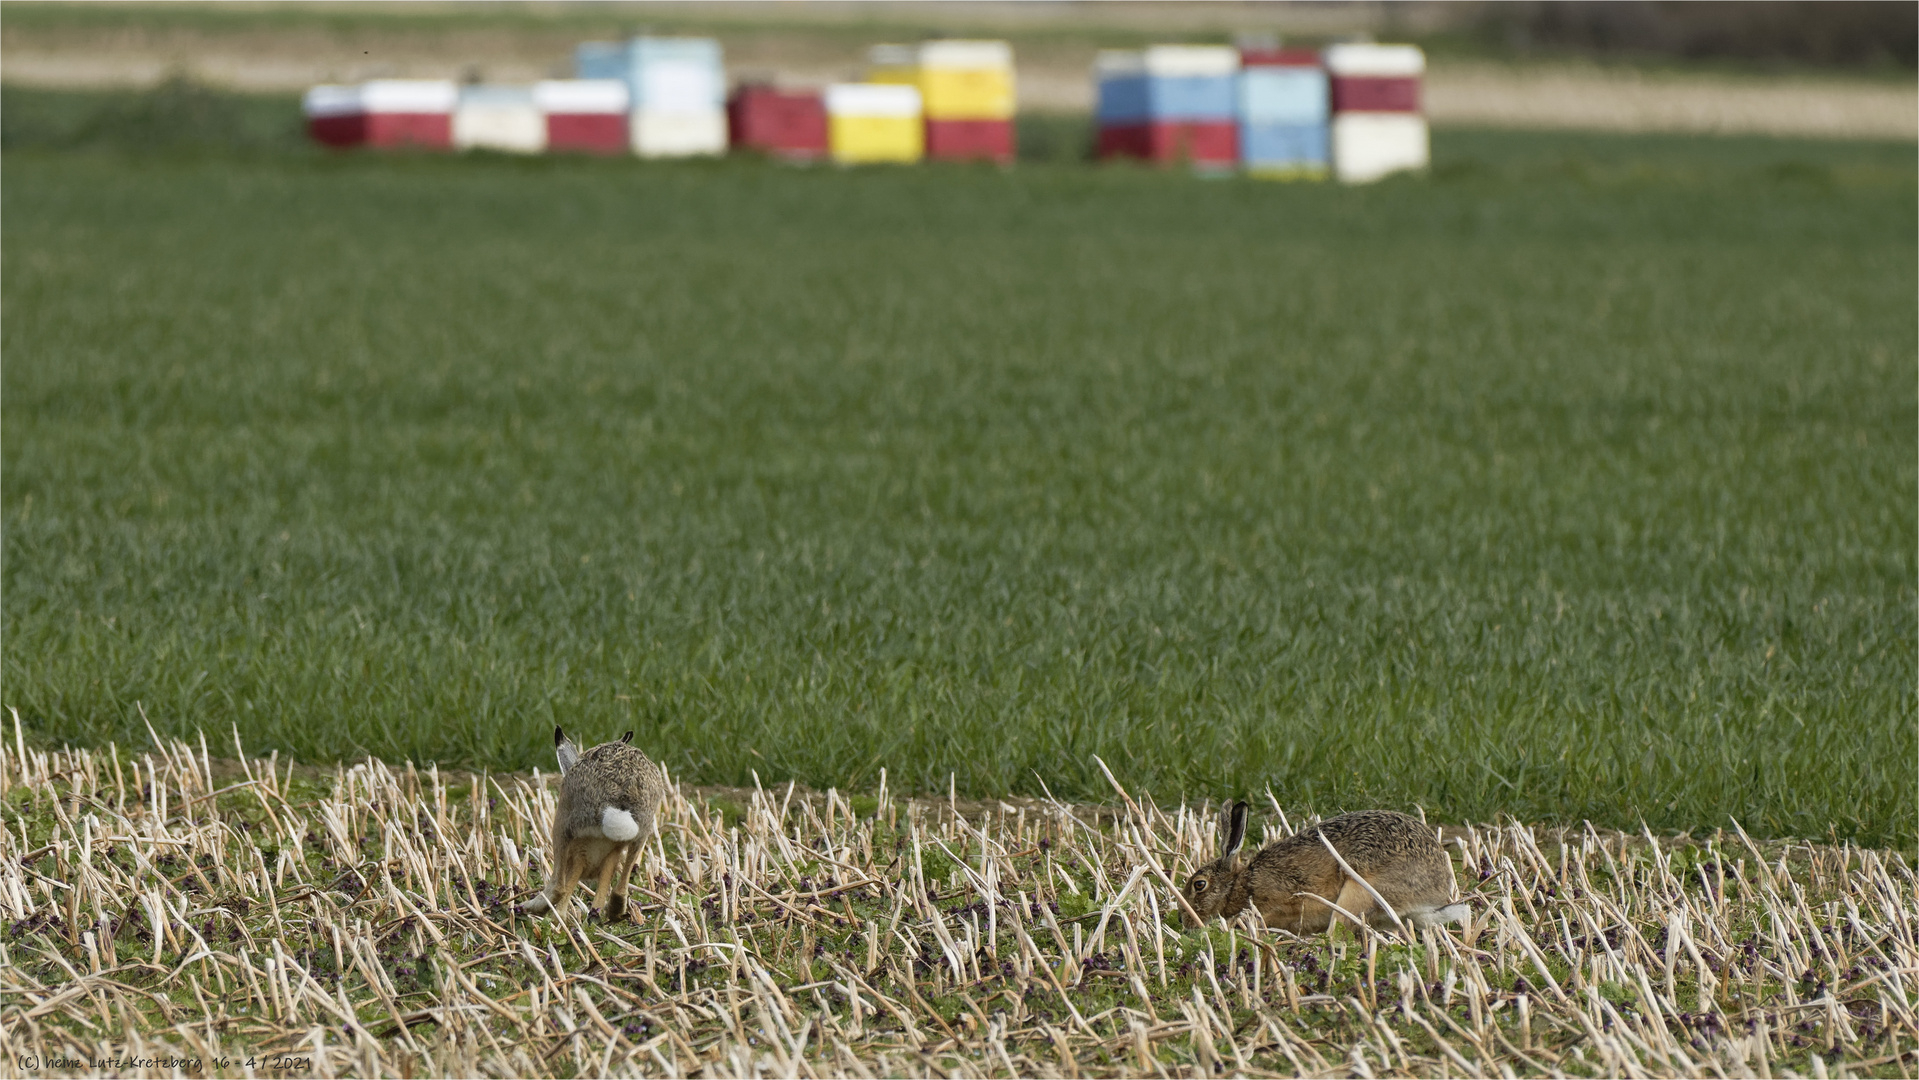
point(957, 80)
point(868, 122)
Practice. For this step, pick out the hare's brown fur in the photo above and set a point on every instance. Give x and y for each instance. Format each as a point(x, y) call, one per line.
point(611, 777)
point(1288, 882)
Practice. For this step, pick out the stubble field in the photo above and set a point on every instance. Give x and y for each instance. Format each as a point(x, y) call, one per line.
point(173, 914)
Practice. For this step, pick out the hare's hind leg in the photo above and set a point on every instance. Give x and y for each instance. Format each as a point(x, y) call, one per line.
point(568, 866)
point(559, 884)
point(1354, 898)
point(615, 869)
point(1420, 892)
point(1299, 915)
point(613, 906)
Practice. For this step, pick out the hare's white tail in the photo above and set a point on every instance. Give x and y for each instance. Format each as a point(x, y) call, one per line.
point(617, 824)
point(1451, 913)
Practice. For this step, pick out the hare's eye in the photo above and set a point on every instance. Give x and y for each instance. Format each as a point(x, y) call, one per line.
point(1199, 884)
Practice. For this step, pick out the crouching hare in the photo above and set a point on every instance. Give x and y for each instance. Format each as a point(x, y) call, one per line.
point(1396, 854)
point(609, 797)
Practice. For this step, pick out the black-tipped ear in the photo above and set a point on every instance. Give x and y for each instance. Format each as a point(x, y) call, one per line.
point(1236, 828)
point(559, 735)
point(627, 738)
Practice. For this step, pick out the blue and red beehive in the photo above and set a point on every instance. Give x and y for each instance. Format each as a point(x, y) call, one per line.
point(677, 89)
point(1170, 103)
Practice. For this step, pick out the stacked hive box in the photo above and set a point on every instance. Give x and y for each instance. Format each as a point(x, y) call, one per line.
point(384, 112)
point(966, 91)
point(1170, 103)
point(1377, 126)
point(789, 124)
point(1283, 112)
point(678, 89)
point(874, 122)
point(587, 115)
point(502, 118)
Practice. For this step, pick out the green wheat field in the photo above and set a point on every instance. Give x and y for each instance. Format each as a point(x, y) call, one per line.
point(1573, 481)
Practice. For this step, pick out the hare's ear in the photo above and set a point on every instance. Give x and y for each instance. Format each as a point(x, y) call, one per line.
point(564, 749)
point(627, 738)
point(1236, 828)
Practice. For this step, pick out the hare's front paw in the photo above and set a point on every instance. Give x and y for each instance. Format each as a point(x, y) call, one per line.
point(615, 908)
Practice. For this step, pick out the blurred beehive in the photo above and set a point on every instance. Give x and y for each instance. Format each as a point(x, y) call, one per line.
point(966, 92)
point(677, 88)
point(383, 112)
point(786, 124)
point(1170, 103)
point(1377, 127)
point(500, 118)
point(584, 115)
point(875, 122)
point(1284, 106)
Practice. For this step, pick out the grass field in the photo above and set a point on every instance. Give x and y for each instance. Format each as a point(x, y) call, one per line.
point(1575, 481)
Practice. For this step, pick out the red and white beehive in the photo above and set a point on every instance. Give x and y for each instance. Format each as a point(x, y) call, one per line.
point(1378, 128)
point(584, 115)
point(383, 112)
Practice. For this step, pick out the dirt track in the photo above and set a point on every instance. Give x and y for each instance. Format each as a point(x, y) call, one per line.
point(1053, 77)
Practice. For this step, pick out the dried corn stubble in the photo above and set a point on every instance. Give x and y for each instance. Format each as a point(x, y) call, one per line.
point(168, 915)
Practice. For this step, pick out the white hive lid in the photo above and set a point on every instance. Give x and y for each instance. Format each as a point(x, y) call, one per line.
point(1378, 61)
point(409, 95)
point(582, 95)
point(329, 100)
point(966, 55)
point(1174, 61)
point(872, 99)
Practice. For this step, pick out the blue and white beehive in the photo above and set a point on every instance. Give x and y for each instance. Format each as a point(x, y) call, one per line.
point(1168, 83)
point(1285, 110)
point(678, 88)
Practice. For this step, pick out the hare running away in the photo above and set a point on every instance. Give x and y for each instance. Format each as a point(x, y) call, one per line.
point(609, 797)
point(1289, 882)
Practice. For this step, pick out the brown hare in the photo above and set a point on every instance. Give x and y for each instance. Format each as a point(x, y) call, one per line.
point(1397, 855)
point(609, 796)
